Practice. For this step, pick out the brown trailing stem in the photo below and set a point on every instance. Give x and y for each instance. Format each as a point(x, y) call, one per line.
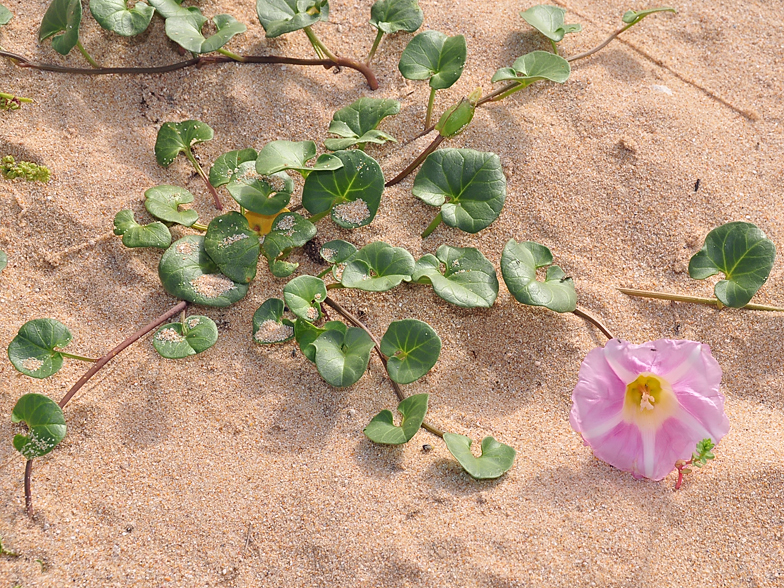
point(594, 321)
point(22, 61)
point(377, 346)
point(416, 163)
point(176, 309)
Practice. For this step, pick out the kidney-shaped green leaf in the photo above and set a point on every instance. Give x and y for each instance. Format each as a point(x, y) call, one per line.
point(188, 273)
point(233, 246)
point(279, 17)
point(265, 195)
point(337, 251)
point(163, 202)
point(175, 138)
point(391, 16)
point(378, 267)
point(535, 66)
point(170, 8)
point(34, 349)
point(304, 295)
point(412, 347)
point(178, 340)
point(62, 19)
point(745, 256)
point(45, 421)
point(135, 235)
point(352, 192)
point(186, 32)
point(495, 461)
point(289, 230)
point(228, 164)
point(549, 20)
point(468, 279)
point(306, 333)
point(269, 326)
point(468, 185)
point(434, 56)
point(519, 262)
point(342, 358)
point(382, 428)
point(357, 123)
point(282, 155)
point(114, 15)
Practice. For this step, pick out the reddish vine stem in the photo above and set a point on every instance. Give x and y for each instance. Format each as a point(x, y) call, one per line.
point(179, 307)
point(594, 321)
point(22, 61)
point(415, 164)
point(377, 346)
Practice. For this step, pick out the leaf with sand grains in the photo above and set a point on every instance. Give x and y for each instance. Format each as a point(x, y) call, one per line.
point(269, 326)
point(178, 340)
point(304, 295)
point(378, 267)
point(265, 195)
point(228, 164)
point(282, 155)
point(288, 230)
point(381, 429)
point(233, 246)
point(45, 421)
point(163, 202)
point(34, 349)
point(495, 461)
point(468, 279)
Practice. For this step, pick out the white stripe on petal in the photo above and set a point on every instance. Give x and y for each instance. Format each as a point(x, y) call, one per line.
point(604, 427)
point(677, 373)
point(691, 423)
point(648, 438)
point(623, 374)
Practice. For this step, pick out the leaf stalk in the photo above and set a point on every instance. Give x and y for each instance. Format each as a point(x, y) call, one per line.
point(694, 299)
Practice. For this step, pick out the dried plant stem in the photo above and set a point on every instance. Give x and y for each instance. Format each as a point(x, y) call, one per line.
point(594, 321)
point(176, 309)
point(415, 164)
point(21, 61)
point(694, 299)
point(377, 345)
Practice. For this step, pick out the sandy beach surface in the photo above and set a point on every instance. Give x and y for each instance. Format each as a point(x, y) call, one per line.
point(241, 467)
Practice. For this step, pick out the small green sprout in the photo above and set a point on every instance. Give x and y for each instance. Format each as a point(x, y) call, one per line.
point(32, 172)
point(698, 459)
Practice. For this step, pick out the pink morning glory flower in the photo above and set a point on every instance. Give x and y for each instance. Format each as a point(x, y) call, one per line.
point(641, 408)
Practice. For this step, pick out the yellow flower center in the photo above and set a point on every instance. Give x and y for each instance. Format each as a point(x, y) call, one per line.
point(649, 401)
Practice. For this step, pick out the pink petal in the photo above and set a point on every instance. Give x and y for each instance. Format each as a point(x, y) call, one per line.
point(622, 448)
point(598, 397)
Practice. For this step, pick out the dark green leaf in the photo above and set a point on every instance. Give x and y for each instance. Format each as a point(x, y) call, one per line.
point(549, 20)
point(114, 15)
point(468, 185)
point(45, 421)
point(289, 230)
point(186, 32)
point(495, 461)
point(304, 295)
point(352, 193)
point(468, 278)
point(233, 247)
point(170, 8)
point(136, 235)
point(5, 15)
point(391, 16)
point(175, 138)
point(178, 340)
point(188, 273)
point(3, 260)
point(282, 269)
point(269, 326)
point(519, 263)
point(282, 155)
point(535, 66)
point(163, 202)
point(306, 333)
point(632, 17)
point(743, 254)
point(378, 267)
point(62, 16)
point(434, 56)
point(382, 428)
point(337, 251)
point(34, 349)
point(341, 359)
point(456, 119)
point(357, 123)
point(265, 195)
point(228, 164)
point(412, 347)
point(279, 17)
